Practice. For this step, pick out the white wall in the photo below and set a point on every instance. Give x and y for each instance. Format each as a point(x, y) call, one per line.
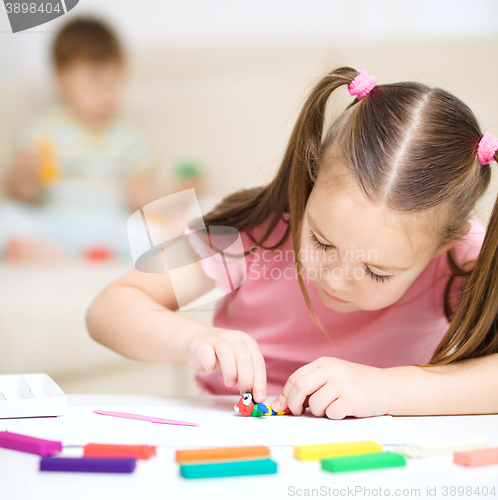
point(295, 20)
point(213, 21)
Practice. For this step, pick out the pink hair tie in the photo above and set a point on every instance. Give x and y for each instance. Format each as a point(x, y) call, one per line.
point(362, 84)
point(488, 146)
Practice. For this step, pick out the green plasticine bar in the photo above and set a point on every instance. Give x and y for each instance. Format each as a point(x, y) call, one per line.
point(361, 462)
point(226, 469)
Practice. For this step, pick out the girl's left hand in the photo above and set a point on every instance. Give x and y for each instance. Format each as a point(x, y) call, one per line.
point(336, 388)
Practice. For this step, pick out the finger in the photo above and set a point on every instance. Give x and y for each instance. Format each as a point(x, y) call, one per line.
point(206, 357)
point(245, 368)
point(217, 367)
point(305, 385)
point(338, 410)
point(226, 357)
point(320, 400)
point(280, 402)
point(259, 366)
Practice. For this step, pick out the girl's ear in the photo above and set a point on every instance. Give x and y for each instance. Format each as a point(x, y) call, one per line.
point(446, 245)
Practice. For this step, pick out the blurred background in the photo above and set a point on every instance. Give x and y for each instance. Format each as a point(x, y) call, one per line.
point(214, 88)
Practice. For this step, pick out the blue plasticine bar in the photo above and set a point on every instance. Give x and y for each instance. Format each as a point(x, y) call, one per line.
point(362, 462)
point(226, 469)
point(66, 464)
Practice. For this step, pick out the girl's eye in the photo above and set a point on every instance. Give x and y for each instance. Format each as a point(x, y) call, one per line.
point(322, 246)
point(376, 277)
point(318, 244)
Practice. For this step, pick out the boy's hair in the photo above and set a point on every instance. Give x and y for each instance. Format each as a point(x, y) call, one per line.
point(85, 39)
point(410, 147)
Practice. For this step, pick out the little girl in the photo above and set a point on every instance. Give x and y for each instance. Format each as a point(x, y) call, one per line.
point(359, 298)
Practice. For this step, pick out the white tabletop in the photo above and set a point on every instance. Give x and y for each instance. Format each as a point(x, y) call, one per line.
point(158, 478)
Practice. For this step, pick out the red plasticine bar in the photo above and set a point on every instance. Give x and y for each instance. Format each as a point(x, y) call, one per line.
point(141, 452)
point(474, 458)
point(29, 444)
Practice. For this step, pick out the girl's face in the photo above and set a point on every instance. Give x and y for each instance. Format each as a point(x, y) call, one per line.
point(360, 254)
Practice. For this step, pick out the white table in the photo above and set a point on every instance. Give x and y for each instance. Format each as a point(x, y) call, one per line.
point(158, 478)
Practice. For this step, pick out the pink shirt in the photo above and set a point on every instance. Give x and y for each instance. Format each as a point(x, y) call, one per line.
point(274, 313)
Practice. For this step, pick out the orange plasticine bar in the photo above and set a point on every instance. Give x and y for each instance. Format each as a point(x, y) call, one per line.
point(208, 454)
point(142, 452)
point(474, 458)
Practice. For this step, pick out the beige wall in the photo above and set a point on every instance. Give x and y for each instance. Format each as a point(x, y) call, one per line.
point(232, 107)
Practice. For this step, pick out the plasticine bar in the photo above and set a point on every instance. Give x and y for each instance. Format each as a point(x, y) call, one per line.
point(442, 447)
point(140, 452)
point(362, 462)
point(29, 444)
point(474, 458)
point(65, 464)
point(318, 451)
point(210, 454)
point(226, 469)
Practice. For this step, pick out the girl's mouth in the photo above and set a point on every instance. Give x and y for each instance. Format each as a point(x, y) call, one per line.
point(333, 297)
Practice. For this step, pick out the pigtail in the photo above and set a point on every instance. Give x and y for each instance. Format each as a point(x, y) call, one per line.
point(290, 189)
point(302, 157)
point(473, 331)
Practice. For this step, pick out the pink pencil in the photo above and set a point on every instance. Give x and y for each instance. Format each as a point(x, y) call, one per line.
point(133, 416)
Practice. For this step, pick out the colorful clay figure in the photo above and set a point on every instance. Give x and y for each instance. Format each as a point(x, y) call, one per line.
point(246, 407)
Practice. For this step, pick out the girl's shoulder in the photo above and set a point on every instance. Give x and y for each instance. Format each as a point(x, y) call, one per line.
point(467, 249)
point(254, 235)
point(231, 258)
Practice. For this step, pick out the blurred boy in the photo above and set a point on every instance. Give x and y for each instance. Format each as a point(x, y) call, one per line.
point(80, 169)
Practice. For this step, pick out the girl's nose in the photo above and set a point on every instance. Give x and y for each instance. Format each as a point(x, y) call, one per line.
point(339, 277)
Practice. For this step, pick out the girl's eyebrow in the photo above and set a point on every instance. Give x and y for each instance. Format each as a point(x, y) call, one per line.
point(386, 269)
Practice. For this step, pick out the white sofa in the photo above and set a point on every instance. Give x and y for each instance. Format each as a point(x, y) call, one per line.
point(42, 330)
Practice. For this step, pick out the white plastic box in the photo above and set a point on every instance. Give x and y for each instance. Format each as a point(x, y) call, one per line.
point(31, 395)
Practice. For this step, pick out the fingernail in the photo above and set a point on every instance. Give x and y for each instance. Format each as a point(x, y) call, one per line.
point(260, 396)
point(276, 405)
point(232, 382)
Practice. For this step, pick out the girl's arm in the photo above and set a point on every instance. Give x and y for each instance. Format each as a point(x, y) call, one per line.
point(337, 388)
point(135, 317)
point(461, 388)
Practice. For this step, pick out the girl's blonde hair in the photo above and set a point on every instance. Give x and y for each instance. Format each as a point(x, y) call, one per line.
point(411, 147)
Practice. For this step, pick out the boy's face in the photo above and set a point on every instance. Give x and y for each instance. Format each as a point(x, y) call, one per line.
point(92, 89)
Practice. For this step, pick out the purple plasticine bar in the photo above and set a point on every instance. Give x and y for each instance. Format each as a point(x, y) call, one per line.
point(70, 464)
point(29, 444)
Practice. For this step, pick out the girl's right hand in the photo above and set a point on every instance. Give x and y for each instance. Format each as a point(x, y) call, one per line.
point(234, 354)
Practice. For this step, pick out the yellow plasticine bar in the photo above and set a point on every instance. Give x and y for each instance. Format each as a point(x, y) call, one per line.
point(319, 451)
